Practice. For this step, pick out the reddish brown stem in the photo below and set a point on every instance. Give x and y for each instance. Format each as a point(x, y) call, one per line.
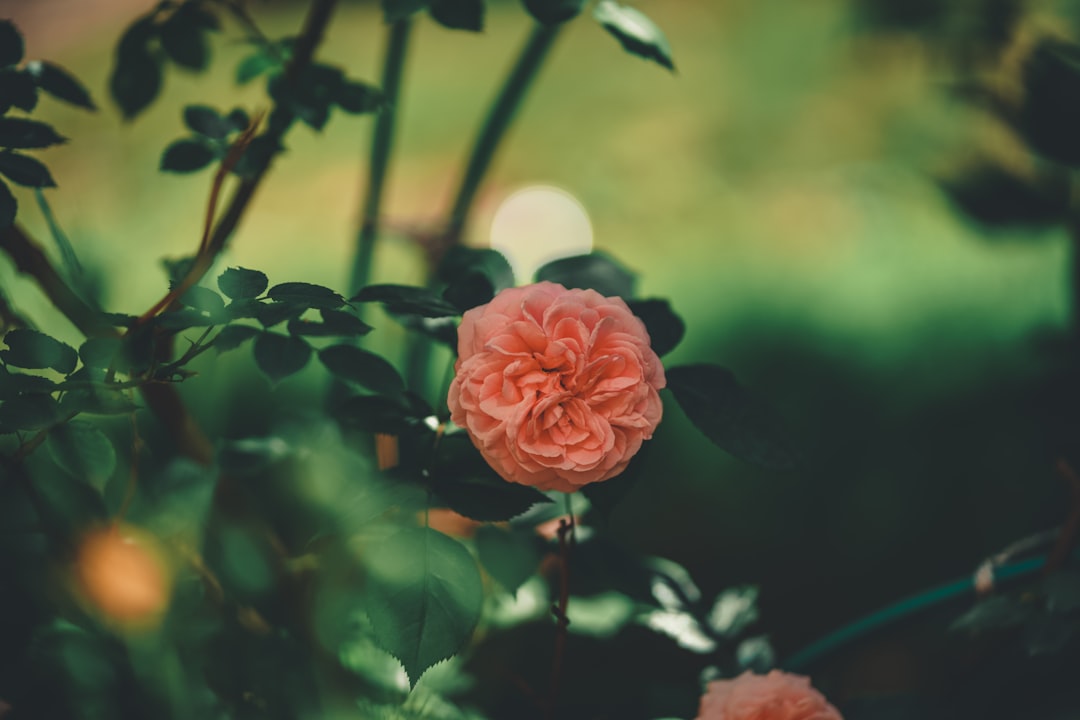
point(562, 621)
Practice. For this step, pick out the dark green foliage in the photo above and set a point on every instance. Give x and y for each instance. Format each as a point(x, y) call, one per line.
point(336, 323)
point(729, 416)
point(12, 46)
point(17, 89)
point(407, 300)
point(666, 329)
point(394, 10)
point(306, 295)
point(396, 415)
point(99, 399)
point(511, 557)
point(999, 198)
point(137, 75)
point(270, 314)
point(207, 121)
point(553, 12)
point(363, 368)
point(356, 97)
point(279, 356)
point(204, 299)
point(234, 336)
point(459, 14)
point(237, 283)
point(22, 133)
point(12, 384)
point(635, 32)
point(99, 352)
point(28, 412)
point(35, 350)
point(473, 276)
point(311, 96)
point(183, 40)
point(84, 451)
point(187, 155)
point(464, 482)
point(25, 170)
point(597, 271)
point(59, 83)
point(8, 206)
point(255, 65)
point(1050, 113)
point(424, 597)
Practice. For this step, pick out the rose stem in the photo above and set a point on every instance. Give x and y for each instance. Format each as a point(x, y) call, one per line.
point(382, 142)
point(567, 539)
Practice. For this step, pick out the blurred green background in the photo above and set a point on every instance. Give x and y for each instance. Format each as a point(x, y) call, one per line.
point(779, 189)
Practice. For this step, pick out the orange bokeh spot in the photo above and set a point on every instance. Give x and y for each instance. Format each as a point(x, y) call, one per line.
point(121, 572)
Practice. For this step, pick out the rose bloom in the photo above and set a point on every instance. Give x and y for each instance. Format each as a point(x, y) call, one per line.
point(556, 387)
point(776, 696)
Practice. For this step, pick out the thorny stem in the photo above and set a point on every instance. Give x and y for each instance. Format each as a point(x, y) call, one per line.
point(382, 143)
point(567, 540)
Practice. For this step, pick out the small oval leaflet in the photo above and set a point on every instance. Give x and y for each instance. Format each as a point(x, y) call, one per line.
point(238, 283)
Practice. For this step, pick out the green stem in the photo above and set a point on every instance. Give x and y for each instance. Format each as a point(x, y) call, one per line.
point(381, 145)
point(498, 120)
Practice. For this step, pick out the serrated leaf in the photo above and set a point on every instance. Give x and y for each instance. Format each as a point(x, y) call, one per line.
point(279, 356)
point(99, 352)
point(407, 300)
point(28, 412)
point(362, 368)
point(184, 41)
point(36, 351)
point(635, 32)
point(459, 14)
point(25, 170)
point(12, 46)
point(509, 557)
point(255, 65)
point(666, 329)
point(424, 597)
point(306, 294)
point(233, 336)
point(8, 206)
point(206, 121)
point(461, 261)
point(187, 155)
point(136, 77)
point(83, 450)
point(22, 134)
point(394, 10)
point(553, 12)
point(17, 89)
point(271, 313)
point(714, 401)
point(340, 322)
point(12, 384)
point(59, 83)
point(596, 271)
point(238, 283)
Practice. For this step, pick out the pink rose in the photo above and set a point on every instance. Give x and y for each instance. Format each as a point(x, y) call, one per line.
point(776, 696)
point(556, 387)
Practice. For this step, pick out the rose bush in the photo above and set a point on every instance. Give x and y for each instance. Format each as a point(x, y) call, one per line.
point(775, 696)
point(556, 387)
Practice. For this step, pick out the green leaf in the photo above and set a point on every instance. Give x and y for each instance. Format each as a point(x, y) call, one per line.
point(8, 206)
point(35, 350)
point(22, 134)
point(12, 384)
point(509, 557)
point(237, 283)
point(25, 170)
point(184, 41)
point(407, 300)
point(99, 352)
point(255, 65)
point(28, 412)
point(233, 337)
point(17, 89)
point(206, 121)
point(461, 261)
point(187, 155)
point(383, 413)
point(459, 14)
point(204, 299)
point(357, 97)
point(279, 356)
point(311, 96)
point(465, 483)
point(394, 10)
point(666, 329)
point(635, 32)
point(83, 450)
point(424, 597)
point(270, 314)
point(238, 119)
point(59, 83)
point(306, 294)
point(597, 271)
point(12, 46)
point(100, 400)
point(553, 12)
point(136, 78)
point(336, 323)
point(715, 402)
point(362, 368)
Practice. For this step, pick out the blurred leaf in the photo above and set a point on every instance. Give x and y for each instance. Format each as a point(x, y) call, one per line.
point(395, 415)
point(279, 356)
point(362, 368)
point(176, 505)
point(635, 32)
point(1048, 634)
point(994, 613)
point(1062, 591)
point(82, 449)
point(255, 65)
point(204, 299)
point(17, 89)
point(8, 206)
point(182, 319)
point(234, 336)
point(408, 300)
point(459, 14)
point(553, 12)
point(357, 97)
point(97, 401)
point(509, 557)
point(461, 261)
point(25, 170)
point(253, 455)
point(187, 155)
point(666, 329)
point(734, 610)
point(238, 119)
point(1050, 113)
point(11, 44)
point(756, 654)
point(997, 197)
point(424, 597)
point(238, 283)
point(394, 10)
point(270, 314)
point(184, 40)
point(21, 133)
point(29, 412)
point(310, 97)
point(99, 352)
point(36, 350)
point(206, 121)
point(12, 384)
point(729, 416)
point(597, 271)
point(59, 83)
point(306, 294)
point(470, 291)
point(136, 78)
point(465, 483)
